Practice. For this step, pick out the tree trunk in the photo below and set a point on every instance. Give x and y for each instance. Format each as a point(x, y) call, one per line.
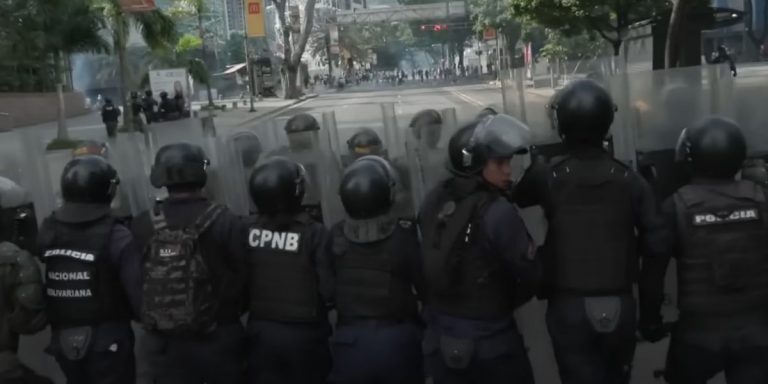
point(119, 45)
point(204, 54)
point(659, 32)
point(291, 82)
point(673, 33)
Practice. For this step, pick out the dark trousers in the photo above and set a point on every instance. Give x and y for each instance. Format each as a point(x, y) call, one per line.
point(109, 360)
point(216, 358)
point(692, 363)
point(111, 128)
point(288, 353)
point(498, 359)
point(377, 354)
point(584, 355)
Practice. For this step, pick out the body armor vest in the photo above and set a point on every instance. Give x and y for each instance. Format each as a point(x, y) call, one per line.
point(723, 266)
point(282, 281)
point(371, 280)
point(591, 246)
point(82, 286)
point(462, 280)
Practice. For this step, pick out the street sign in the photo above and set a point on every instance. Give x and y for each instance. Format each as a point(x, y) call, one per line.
point(133, 6)
point(489, 34)
point(254, 18)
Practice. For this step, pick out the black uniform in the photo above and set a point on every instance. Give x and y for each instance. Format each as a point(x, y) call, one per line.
point(288, 290)
point(92, 281)
point(601, 216)
point(478, 264)
point(376, 265)
point(216, 355)
point(110, 115)
point(718, 228)
point(23, 312)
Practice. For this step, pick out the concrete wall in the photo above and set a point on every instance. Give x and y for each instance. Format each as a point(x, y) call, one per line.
point(36, 108)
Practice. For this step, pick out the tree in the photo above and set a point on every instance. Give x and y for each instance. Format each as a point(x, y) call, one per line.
point(234, 48)
point(295, 39)
point(157, 30)
point(498, 15)
point(611, 19)
point(197, 9)
point(688, 19)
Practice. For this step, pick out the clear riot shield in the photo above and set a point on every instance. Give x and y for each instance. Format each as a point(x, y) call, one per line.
point(394, 139)
point(312, 149)
point(365, 115)
point(237, 155)
point(23, 160)
point(427, 154)
point(743, 99)
point(129, 156)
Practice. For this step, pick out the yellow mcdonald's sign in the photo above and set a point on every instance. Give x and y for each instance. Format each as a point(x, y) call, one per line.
point(254, 18)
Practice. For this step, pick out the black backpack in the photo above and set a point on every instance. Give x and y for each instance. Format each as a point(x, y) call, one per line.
point(178, 295)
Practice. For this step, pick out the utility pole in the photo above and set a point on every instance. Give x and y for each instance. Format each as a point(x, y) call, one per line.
point(248, 67)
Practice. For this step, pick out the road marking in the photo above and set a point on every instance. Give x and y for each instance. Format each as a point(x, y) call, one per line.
point(467, 98)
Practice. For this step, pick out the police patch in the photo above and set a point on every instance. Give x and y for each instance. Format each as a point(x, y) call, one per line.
point(725, 217)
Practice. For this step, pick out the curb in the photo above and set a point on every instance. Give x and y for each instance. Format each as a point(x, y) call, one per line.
point(279, 109)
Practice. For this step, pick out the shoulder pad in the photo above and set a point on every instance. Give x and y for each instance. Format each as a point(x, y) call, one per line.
point(9, 253)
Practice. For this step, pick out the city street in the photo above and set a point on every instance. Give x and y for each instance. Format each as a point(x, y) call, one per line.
point(358, 107)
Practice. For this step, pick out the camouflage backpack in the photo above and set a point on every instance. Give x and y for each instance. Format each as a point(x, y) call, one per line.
point(178, 292)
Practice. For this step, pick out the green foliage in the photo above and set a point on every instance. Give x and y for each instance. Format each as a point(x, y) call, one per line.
point(36, 36)
point(59, 144)
point(188, 43)
point(199, 71)
point(234, 49)
point(610, 19)
point(562, 47)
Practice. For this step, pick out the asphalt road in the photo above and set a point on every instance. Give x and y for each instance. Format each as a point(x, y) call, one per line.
point(356, 108)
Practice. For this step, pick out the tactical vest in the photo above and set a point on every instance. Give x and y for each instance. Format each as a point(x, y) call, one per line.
point(282, 281)
point(723, 266)
point(591, 247)
point(371, 282)
point(462, 280)
point(82, 286)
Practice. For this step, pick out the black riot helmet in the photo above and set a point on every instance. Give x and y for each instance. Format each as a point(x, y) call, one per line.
point(487, 111)
point(714, 147)
point(180, 164)
point(277, 186)
point(18, 223)
point(582, 113)
point(365, 142)
point(302, 122)
point(498, 136)
point(89, 179)
point(134, 95)
point(427, 125)
point(367, 188)
point(148, 93)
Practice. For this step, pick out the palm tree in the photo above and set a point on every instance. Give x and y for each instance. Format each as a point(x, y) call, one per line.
point(197, 9)
point(157, 29)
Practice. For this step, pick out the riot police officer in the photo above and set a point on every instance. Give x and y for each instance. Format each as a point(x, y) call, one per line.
point(426, 126)
point(21, 281)
point(718, 229)
point(487, 111)
point(595, 205)
point(377, 268)
point(288, 322)
point(478, 260)
point(201, 342)
point(363, 143)
point(92, 277)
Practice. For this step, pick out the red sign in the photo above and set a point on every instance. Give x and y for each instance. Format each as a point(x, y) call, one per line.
point(254, 9)
point(489, 34)
point(137, 5)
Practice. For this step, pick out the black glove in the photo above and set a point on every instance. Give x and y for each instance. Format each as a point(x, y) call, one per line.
point(653, 331)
